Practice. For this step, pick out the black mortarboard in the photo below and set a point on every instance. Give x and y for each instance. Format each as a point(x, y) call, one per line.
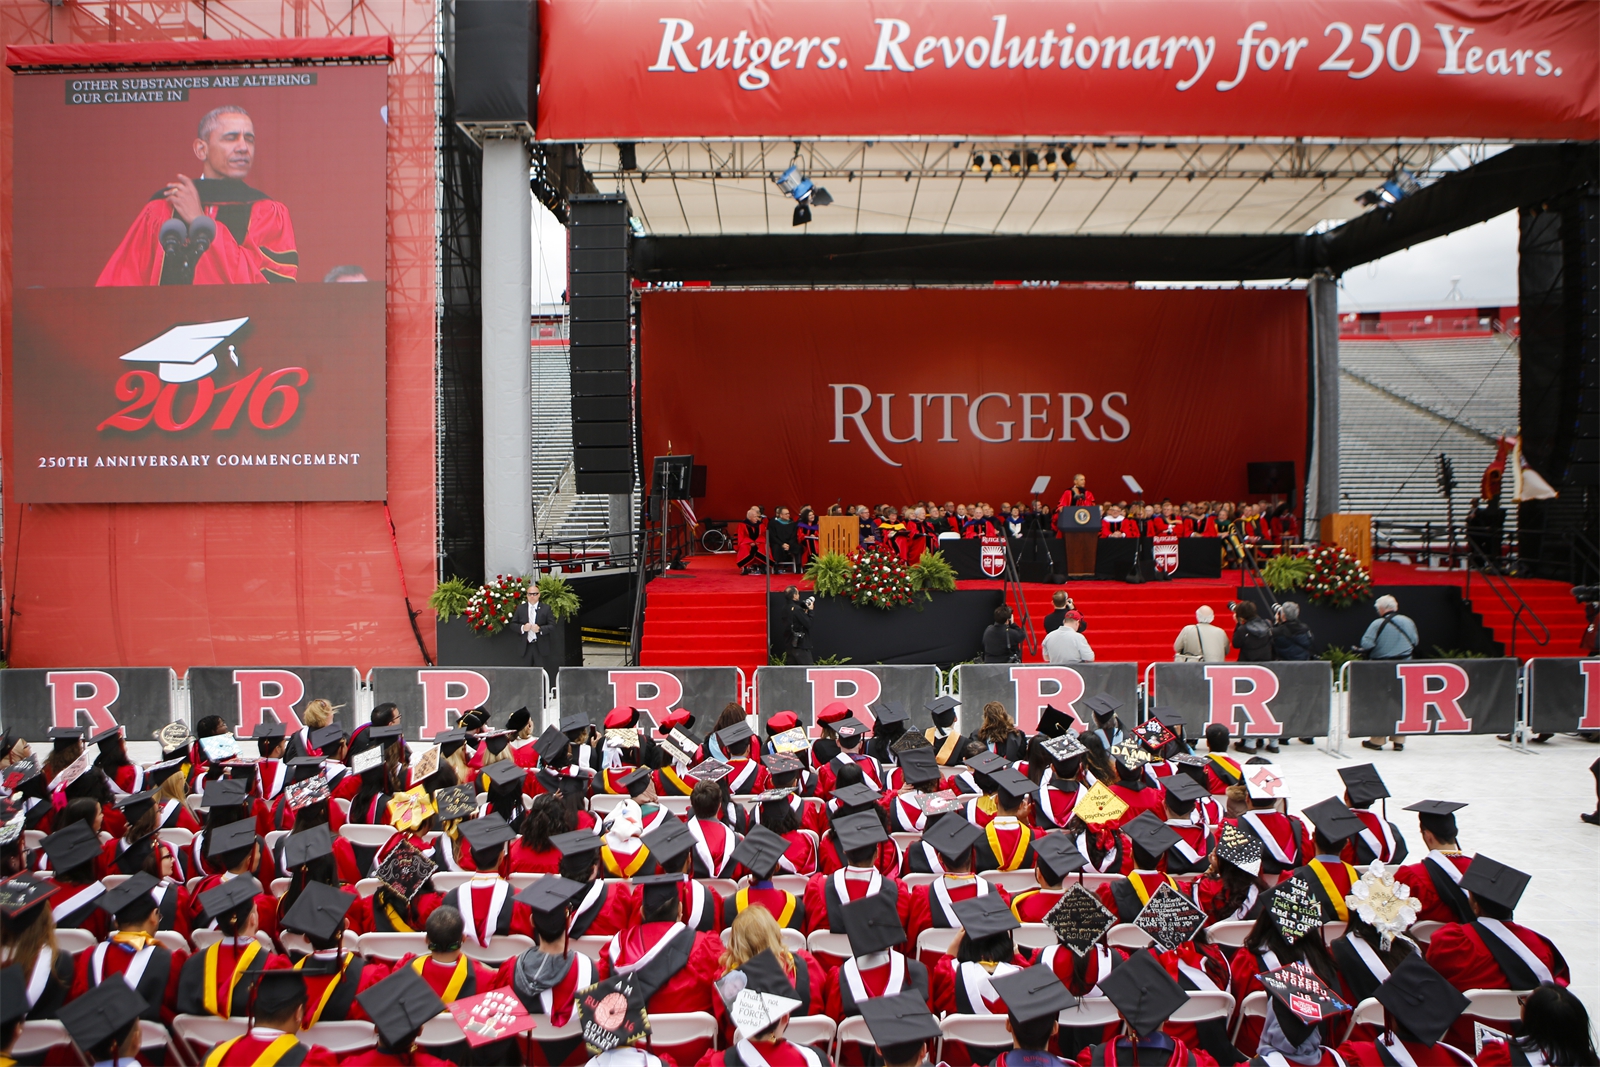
point(872, 924)
point(1435, 807)
point(518, 719)
point(384, 734)
point(318, 910)
point(574, 723)
point(1494, 881)
point(1033, 993)
point(495, 744)
point(487, 832)
point(1183, 789)
point(637, 781)
point(658, 889)
point(551, 743)
point(850, 730)
point(450, 737)
point(134, 805)
point(860, 830)
point(327, 737)
point(887, 713)
point(1079, 919)
point(67, 733)
point(1055, 723)
point(224, 793)
point(987, 762)
point(942, 707)
point(399, 1006)
point(231, 836)
point(226, 896)
point(244, 772)
point(1151, 834)
point(779, 763)
point(1333, 819)
point(550, 894)
point(1014, 785)
point(1056, 854)
point(103, 736)
point(115, 899)
point(1102, 706)
point(919, 765)
point(160, 772)
point(903, 1019)
point(104, 1011)
point(1420, 999)
point(457, 802)
point(760, 852)
point(1169, 917)
point(72, 847)
point(953, 837)
point(303, 846)
point(1143, 992)
point(984, 916)
point(13, 994)
point(1437, 816)
point(572, 787)
point(132, 858)
point(732, 735)
point(278, 991)
point(856, 796)
point(23, 891)
point(268, 730)
point(505, 774)
point(1303, 1000)
point(669, 843)
point(476, 719)
point(1363, 784)
point(576, 843)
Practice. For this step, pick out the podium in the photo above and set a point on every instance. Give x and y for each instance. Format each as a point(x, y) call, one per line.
point(1351, 532)
point(1080, 535)
point(838, 533)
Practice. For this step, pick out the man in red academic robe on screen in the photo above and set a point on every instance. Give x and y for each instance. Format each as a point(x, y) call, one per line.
point(254, 240)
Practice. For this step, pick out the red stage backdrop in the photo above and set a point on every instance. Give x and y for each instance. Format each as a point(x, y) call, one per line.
point(679, 69)
point(969, 394)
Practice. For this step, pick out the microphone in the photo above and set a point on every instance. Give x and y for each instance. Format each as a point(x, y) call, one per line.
point(172, 235)
point(202, 231)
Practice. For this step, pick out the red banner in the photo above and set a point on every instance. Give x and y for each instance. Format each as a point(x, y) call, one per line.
point(970, 394)
point(665, 69)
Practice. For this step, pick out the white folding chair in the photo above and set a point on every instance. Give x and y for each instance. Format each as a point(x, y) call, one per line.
point(793, 940)
point(192, 801)
point(38, 1035)
point(441, 1030)
point(444, 881)
point(152, 1036)
point(791, 883)
point(367, 886)
point(1090, 1011)
point(679, 806)
point(829, 944)
point(937, 939)
point(343, 806)
point(1496, 1005)
point(1127, 935)
point(682, 1027)
point(1254, 1006)
point(591, 945)
point(520, 880)
point(722, 887)
point(904, 839)
point(111, 881)
point(296, 942)
point(280, 886)
point(32, 839)
point(602, 804)
point(1204, 1005)
point(204, 939)
point(368, 835)
point(1368, 1013)
point(1093, 881)
point(200, 1033)
point(498, 950)
point(176, 836)
point(807, 1030)
point(916, 878)
point(1011, 881)
point(274, 836)
point(342, 1038)
point(393, 946)
point(853, 1029)
point(1034, 935)
point(105, 837)
point(981, 1031)
point(75, 941)
point(1333, 931)
point(1229, 934)
point(172, 941)
point(1422, 932)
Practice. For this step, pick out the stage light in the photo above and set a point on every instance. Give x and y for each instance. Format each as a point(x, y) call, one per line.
point(1033, 161)
point(977, 162)
point(1391, 192)
point(627, 157)
point(1050, 160)
point(994, 161)
point(1015, 159)
point(820, 197)
point(794, 183)
point(802, 214)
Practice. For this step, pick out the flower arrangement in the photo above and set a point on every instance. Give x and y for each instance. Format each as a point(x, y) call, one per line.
point(492, 606)
point(1337, 578)
point(881, 580)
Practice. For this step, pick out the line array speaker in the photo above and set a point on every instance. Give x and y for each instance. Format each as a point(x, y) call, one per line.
point(601, 344)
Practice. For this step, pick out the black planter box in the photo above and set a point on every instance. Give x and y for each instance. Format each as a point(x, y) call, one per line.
point(462, 646)
point(947, 629)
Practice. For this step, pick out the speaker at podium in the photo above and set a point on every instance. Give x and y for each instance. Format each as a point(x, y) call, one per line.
point(1080, 536)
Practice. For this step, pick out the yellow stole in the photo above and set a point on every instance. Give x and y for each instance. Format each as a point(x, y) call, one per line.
point(1321, 871)
point(458, 978)
point(634, 865)
point(1144, 894)
point(327, 994)
point(947, 749)
point(239, 967)
point(1018, 899)
point(677, 780)
point(742, 901)
point(269, 1055)
point(1023, 837)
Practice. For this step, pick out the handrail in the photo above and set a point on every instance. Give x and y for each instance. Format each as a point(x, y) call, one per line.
point(568, 472)
point(1247, 559)
point(1014, 589)
point(1490, 577)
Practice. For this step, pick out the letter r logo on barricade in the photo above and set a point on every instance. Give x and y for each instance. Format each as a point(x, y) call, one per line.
point(654, 692)
point(263, 691)
point(1590, 672)
point(856, 687)
point(1418, 693)
point(444, 692)
point(89, 692)
point(1225, 695)
point(1065, 688)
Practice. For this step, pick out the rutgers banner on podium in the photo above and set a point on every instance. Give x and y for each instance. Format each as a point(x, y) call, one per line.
point(34, 701)
point(807, 690)
point(1464, 696)
point(431, 700)
point(1026, 689)
point(1280, 699)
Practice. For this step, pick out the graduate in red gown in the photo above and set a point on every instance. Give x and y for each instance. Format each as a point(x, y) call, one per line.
point(486, 902)
point(235, 848)
point(1149, 839)
point(1054, 857)
point(253, 240)
point(661, 941)
point(760, 853)
point(1303, 1014)
point(74, 860)
point(278, 1011)
point(1379, 839)
point(1035, 998)
point(1330, 877)
point(449, 972)
point(1007, 843)
point(1419, 1008)
point(933, 905)
point(221, 980)
point(132, 951)
point(606, 907)
point(104, 1023)
point(862, 836)
point(333, 976)
point(547, 977)
point(1554, 1029)
point(398, 1007)
point(1145, 996)
point(878, 965)
point(763, 1007)
point(1436, 881)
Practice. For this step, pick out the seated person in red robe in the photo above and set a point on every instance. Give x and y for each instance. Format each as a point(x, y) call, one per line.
point(762, 1007)
point(1034, 998)
point(688, 960)
point(280, 1014)
point(104, 1023)
point(1145, 995)
point(751, 541)
point(1419, 1007)
point(547, 977)
point(398, 1006)
point(1554, 1029)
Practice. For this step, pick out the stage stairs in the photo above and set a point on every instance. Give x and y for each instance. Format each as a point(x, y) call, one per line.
point(705, 622)
point(1555, 606)
point(1131, 623)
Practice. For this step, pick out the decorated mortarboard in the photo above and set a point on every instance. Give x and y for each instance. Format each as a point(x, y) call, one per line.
point(457, 802)
point(942, 705)
point(135, 805)
point(780, 763)
point(1064, 747)
point(872, 924)
point(954, 839)
point(1240, 849)
point(910, 740)
point(1183, 789)
point(984, 916)
point(303, 846)
point(1153, 733)
point(1295, 909)
point(268, 730)
point(773, 796)
point(424, 763)
point(859, 830)
point(1363, 784)
point(574, 723)
point(229, 896)
point(230, 837)
point(1143, 992)
point(669, 843)
point(219, 747)
point(919, 765)
point(72, 847)
point(318, 910)
point(637, 780)
point(104, 1011)
point(1420, 999)
point(1079, 919)
point(367, 759)
point(174, 736)
point(782, 722)
point(399, 1005)
point(1334, 820)
point(987, 762)
point(859, 795)
point(1033, 993)
point(128, 891)
point(278, 991)
point(1014, 784)
point(105, 735)
point(504, 774)
point(1053, 722)
point(936, 803)
point(406, 869)
point(888, 713)
point(850, 730)
point(24, 770)
point(15, 821)
point(757, 995)
point(408, 809)
point(1151, 834)
point(326, 737)
point(760, 852)
point(66, 733)
point(657, 889)
point(576, 843)
point(1057, 855)
point(902, 1019)
point(618, 737)
point(71, 773)
point(612, 1014)
point(1169, 917)
point(551, 894)
point(23, 891)
point(1435, 807)
point(1265, 781)
point(1494, 881)
point(551, 743)
point(710, 770)
point(1303, 1000)
point(794, 740)
point(160, 772)
point(241, 769)
point(834, 712)
point(131, 859)
point(306, 792)
point(487, 832)
point(1099, 804)
point(1383, 903)
point(1131, 754)
point(13, 994)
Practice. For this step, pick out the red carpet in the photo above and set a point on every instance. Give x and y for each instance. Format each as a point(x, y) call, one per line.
point(710, 615)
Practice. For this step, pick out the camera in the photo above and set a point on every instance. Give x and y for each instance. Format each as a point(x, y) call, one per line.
point(1233, 605)
point(1586, 594)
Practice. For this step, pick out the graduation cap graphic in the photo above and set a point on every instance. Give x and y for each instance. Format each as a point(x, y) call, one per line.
point(187, 353)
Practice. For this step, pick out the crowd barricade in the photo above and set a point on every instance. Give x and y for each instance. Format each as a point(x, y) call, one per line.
point(1283, 698)
point(807, 690)
point(1026, 689)
point(1562, 695)
point(594, 691)
point(139, 698)
point(243, 696)
point(443, 694)
point(1405, 697)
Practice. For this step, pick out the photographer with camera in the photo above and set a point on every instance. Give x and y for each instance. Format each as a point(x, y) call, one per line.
point(797, 628)
point(1252, 636)
point(1002, 640)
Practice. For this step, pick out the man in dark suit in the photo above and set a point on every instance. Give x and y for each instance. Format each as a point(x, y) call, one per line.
point(536, 623)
